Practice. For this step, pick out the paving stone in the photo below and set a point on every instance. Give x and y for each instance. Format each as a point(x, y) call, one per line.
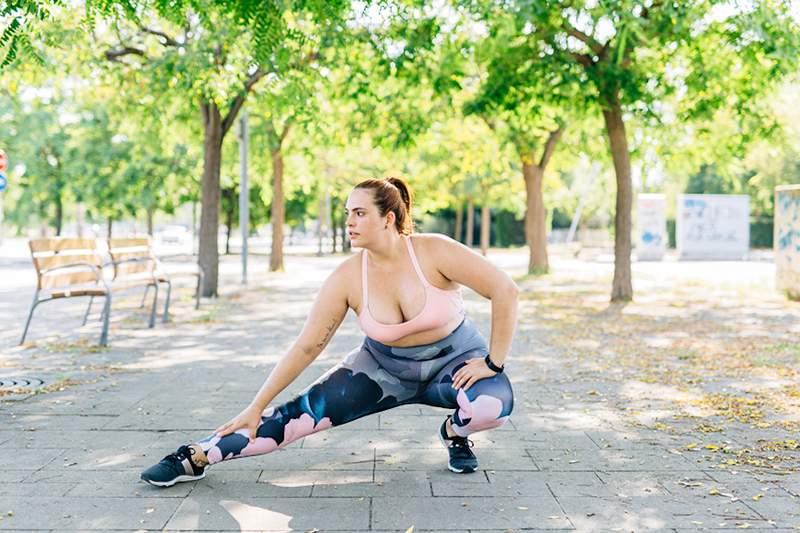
point(379, 484)
point(432, 460)
point(30, 513)
point(391, 420)
point(28, 459)
point(652, 513)
point(295, 458)
point(466, 512)
point(780, 511)
point(110, 489)
point(225, 513)
point(32, 489)
point(610, 460)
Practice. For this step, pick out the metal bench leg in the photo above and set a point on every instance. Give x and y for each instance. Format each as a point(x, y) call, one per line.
point(30, 316)
point(144, 296)
point(166, 303)
point(88, 309)
point(105, 315)
point(152, 322)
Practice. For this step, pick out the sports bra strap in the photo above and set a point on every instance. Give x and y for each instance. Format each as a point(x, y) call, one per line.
point(364, 293)
point(422, 277)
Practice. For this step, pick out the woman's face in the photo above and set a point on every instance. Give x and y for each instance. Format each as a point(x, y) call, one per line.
point(364, 222)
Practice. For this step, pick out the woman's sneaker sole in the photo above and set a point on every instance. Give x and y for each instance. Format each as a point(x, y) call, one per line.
point(171, 482)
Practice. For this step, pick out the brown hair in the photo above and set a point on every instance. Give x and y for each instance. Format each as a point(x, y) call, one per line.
point(392, 194)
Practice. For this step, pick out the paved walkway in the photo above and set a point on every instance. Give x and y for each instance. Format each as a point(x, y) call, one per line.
point(583, 450)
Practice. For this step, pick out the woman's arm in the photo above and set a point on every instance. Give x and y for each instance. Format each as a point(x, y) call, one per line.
point(327, 313)
point(460, 264)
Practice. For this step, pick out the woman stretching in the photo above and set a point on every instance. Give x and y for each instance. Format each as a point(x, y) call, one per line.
point(419, 346)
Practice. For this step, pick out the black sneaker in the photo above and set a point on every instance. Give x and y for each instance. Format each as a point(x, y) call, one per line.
point(174, 468)
point(462, 460)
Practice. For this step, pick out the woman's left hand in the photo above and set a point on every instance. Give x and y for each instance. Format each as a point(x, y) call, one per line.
point(474, 370)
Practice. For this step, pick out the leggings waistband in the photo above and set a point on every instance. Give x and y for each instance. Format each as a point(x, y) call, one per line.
point(465, 337)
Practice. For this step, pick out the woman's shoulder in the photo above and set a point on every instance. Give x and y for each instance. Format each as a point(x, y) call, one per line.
point(433, 241)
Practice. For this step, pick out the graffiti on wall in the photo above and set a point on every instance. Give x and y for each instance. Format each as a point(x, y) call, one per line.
point(713, 226)
point(787, 240)
point(652, 227)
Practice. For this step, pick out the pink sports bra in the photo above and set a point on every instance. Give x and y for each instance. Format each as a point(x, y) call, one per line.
point(441, 306)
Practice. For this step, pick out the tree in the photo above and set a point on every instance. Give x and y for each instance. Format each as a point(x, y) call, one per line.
point(213, 52)
point(631, 53)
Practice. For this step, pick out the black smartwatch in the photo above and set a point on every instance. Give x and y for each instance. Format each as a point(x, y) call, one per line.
point(493, 367)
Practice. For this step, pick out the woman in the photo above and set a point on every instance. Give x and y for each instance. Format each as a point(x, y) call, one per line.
point(419, 346)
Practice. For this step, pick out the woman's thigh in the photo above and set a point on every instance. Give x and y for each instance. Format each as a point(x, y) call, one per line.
point(492, 396)
point(354, 388)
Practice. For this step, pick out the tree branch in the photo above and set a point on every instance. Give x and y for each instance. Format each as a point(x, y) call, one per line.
point(286, 126)
point(584, 59)
point(168, 41)
point(550, 146)
point(590, 41)
point(115, 55)
point(238, 102)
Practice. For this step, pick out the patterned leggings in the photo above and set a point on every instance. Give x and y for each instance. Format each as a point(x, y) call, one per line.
point(373, 378)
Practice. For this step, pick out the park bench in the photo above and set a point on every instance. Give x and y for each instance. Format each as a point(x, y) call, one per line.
point(134, 261)
point(68, 268)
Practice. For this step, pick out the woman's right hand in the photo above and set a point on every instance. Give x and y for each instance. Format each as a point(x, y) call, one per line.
point(249, 418)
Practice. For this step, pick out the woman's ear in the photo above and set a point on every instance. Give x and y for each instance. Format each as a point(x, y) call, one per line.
point(389, 219)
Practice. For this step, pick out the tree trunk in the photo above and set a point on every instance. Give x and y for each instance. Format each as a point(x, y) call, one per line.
point(485, 226)
point(621, 289)
point(209, 209)
point(150, 214)
point(276, 253)
point(459, 222)
point(470, 223)
point(535, 217)
point(109, 227)
point(59, 214)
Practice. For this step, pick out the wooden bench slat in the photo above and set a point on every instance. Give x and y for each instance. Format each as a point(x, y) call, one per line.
point(59, 244)
point(50, 281)
point(125, 256)
point(78, 292)
point(60, 260)
point(128, 242)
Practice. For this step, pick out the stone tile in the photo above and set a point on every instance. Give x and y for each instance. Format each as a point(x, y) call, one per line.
point(385, 483)
point(27, 459)
point(436, 459)
point(33, 489)
point(296, 458)
point(543, 483)
point(611, 460)
point(467, 512)
point(425, 423)
point(68, 475)
point(779, 511)
point(35, 422)
point(392, 439)
point(556, 441)
point(283, 485)
point(651, 513)
point(101, 514)
point(103, 489)
point(270, 514)
point(628, 484)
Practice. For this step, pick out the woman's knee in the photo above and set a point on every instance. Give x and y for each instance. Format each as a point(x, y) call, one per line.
point(486, 405)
